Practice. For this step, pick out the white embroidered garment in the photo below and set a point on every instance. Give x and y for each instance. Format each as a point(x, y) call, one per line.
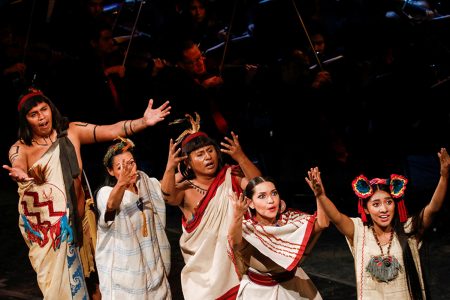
point(299, 287)
point(131, 265)
point(368, 287)
point(283, 244)
point(271, 252)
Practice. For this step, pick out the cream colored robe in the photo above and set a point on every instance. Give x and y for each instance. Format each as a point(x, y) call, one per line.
point(367, 287)
point(209, 272)
point(133, 255)
point(45, 226)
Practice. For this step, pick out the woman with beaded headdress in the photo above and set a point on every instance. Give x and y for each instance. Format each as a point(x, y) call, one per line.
point(385, 241)
point(201, 189)
point(133, 252)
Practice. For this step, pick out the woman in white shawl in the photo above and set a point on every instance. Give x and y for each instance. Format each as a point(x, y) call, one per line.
point(269, 243)
point(133, 252)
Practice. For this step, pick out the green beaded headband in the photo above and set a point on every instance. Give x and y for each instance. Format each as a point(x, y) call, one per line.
point(122, 146)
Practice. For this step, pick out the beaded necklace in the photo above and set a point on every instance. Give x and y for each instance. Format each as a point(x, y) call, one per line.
point(383, 267)
point(197, 188)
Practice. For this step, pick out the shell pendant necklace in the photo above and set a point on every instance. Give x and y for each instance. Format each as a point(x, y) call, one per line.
point(383, 267)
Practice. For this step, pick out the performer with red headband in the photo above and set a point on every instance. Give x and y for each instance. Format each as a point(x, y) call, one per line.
point(385, 241)
point(46, 164)
point(200, 189)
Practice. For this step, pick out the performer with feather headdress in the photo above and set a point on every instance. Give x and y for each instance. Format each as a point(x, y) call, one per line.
point(200, 189)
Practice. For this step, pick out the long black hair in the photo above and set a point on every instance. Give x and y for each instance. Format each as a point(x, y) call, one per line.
point(25, 133)
point(412, 275)
point(197, 143)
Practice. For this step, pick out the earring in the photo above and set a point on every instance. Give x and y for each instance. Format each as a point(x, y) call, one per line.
point(282, 206)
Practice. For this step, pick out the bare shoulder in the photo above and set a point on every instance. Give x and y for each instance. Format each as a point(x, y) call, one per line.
point(78, 126)
point(18, 143)
point(242, 182)
point(17, 150)
point(81, 132)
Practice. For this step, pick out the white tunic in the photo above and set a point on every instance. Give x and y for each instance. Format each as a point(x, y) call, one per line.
point(131, 265)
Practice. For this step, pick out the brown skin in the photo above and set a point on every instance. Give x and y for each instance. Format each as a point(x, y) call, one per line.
point(124, 169)
point(266, 203)
point(22, 157)
point(381, 201)
point(204, 163)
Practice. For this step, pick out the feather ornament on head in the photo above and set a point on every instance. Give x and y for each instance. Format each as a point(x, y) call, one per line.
point(190, 133)
point(123, 145)
point(363, 188)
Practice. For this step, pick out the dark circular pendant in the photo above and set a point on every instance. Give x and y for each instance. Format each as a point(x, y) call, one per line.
point(387, 261)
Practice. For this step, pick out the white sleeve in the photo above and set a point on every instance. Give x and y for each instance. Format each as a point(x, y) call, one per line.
point(102, 200)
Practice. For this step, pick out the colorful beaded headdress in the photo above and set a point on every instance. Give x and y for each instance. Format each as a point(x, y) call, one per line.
point(363, 188)
point(122, 146)
point(189, 134)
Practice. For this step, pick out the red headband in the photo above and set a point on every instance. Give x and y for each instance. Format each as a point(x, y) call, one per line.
point(27, 97)
point(190, 137)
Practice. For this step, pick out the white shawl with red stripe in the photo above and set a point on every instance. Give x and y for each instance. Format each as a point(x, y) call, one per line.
point(209, 272)
point(283, 244)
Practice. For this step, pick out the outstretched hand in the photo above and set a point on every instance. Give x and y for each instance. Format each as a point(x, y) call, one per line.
point(17, 174)
point(240, 205)
point(174, 158)
point(153, 116)
point(444, 159)
point(127, 175)
point(173, 162)
point(315, 182)
point(232, 147)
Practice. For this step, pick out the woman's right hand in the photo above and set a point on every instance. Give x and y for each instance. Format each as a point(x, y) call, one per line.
point(127, 175)
point(240, 205)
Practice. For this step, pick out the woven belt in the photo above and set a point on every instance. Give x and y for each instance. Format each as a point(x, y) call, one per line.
point(270, 280)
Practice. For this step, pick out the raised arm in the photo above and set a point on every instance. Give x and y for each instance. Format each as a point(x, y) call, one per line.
point(90, 133)
point(322, 218)
point(439, 194)
point(171, 194)
point(123, 182)
point(240, 206)
point(233, 148)
point(343, 223)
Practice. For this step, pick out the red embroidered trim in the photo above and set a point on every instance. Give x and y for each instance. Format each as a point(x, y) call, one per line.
point(43, 227)
point(190, 225)
point(230, 294)
point(271, 280)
